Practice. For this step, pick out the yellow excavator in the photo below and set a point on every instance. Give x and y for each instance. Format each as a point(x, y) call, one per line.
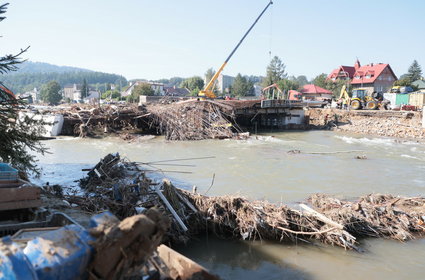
point(359, 99)
point(208, 89)
point(344, 99)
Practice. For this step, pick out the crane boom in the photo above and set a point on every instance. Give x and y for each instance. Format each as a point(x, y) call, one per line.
point(207, 91)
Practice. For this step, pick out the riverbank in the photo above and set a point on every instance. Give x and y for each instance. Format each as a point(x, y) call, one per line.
point(396, 124)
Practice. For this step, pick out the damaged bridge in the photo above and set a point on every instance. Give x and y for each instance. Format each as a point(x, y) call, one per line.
point(280, 114)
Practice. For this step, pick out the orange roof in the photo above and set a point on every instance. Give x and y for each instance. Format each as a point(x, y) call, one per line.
point(313, 89)
point(342, 71)
point(369, 73)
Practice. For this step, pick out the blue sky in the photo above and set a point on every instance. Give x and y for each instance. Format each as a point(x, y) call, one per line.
point(163, 39)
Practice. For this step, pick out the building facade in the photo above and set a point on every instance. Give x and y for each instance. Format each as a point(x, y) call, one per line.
point(372, 77)
point(72, 91)
point(224, 83)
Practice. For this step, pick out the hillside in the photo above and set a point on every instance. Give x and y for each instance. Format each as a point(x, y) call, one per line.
point(34, 74)
point(42, 67)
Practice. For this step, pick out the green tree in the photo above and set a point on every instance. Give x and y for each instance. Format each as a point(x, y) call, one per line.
point(175, 81)
point(111, 94)
point(242, 86)
point(320, 80)
point(193, 84)
point(275, 72)
point(140, 89)
point(405, 81)
point(334, 86)
point(287, 84)
point(302, 80)
point(84, 89)
point(19, 136)
point(415, 72)
point(208, 76)
point(50, 93)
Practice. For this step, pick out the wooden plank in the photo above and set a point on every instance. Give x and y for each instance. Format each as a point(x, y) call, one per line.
point(17, 194)
point(182, 267)
point(10, 184)
point(321, 217)
point(173, 212)
point(11, 205)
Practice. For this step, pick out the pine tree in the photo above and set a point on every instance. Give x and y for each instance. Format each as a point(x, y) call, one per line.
point(19, 135)
point(84, 89)
point(275, 72)
point(415, 72)
point(241, 86)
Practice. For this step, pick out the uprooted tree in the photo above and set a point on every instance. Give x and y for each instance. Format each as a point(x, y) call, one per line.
point(19, 133)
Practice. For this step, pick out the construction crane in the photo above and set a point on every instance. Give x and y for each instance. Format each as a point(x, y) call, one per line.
point(208, 90)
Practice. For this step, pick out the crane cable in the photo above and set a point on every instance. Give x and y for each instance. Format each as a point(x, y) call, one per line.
point(271, 33)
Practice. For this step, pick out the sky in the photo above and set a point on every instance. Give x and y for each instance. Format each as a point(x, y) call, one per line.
point(169, 38)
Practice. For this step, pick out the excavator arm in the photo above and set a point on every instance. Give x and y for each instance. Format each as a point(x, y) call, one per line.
point(208, 90)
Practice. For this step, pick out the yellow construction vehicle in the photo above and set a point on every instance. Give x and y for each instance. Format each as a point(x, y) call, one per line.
point(208, 89)
point(344, 99)
point(361, 99)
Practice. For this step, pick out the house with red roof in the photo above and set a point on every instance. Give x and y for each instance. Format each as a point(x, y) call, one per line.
point(344, 72)
point(313, 92)
point(372, 77)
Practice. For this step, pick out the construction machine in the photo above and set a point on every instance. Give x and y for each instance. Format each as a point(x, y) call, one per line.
point(208, 89)
point(344, 98)
point(361, 99)
point(272, 92)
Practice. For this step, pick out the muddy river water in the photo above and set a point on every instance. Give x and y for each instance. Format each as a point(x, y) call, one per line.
point(262, 168)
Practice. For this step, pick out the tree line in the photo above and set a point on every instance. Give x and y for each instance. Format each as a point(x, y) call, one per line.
point(22, 82)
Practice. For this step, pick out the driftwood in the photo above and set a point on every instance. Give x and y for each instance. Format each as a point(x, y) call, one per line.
point(193, 120)
point(329, 220)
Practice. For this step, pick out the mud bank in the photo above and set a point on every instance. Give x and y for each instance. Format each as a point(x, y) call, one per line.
point(397, 124)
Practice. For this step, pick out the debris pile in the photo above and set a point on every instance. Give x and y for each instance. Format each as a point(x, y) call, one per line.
point(237, 217)
point(376, 215)
point(332, 222)
point(88, 120)
point(121, 186)
point(194, 120)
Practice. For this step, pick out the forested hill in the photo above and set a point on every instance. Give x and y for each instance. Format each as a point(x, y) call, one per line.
point(34, 74)
point(42, 67)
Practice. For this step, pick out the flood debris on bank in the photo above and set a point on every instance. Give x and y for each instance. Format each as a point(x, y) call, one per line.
point(121, 186)
point(88, 121)
point(376, 215)
point(194, 120)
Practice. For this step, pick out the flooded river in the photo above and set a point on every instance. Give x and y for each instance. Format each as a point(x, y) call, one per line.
point(262, 168)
